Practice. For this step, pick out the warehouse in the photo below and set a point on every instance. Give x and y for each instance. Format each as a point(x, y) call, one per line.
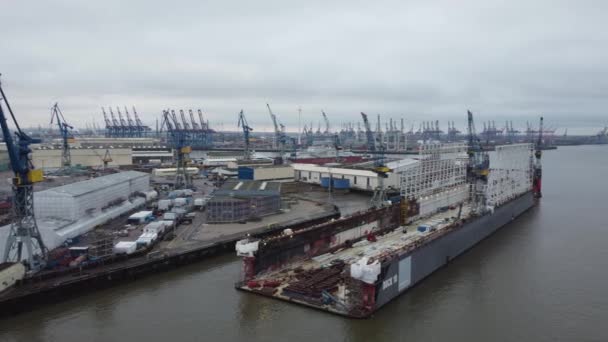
point(50, 158)
point(71, 210)
point(76, 200)
point(238, 201)
point(355, 177)
point(273, 172)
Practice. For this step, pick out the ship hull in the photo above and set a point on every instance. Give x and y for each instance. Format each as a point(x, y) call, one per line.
point(407, 270)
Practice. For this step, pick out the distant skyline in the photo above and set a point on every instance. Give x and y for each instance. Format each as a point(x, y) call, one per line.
point(418, 60)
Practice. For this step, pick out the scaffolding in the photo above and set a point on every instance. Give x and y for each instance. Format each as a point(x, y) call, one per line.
point(226, 209)
point(441, 167)
point(510, 173)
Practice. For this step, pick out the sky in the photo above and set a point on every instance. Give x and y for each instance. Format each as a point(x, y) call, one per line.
point(417, 60)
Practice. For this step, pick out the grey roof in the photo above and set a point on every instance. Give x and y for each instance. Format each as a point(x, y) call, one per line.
point(87, 186)
point(249, 188)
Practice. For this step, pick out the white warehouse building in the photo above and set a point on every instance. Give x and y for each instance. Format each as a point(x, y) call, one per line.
point(71, 210)
point(358, 178)
point(90, 197)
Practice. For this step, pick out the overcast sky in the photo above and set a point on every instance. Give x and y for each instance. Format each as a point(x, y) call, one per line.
point(410, 59)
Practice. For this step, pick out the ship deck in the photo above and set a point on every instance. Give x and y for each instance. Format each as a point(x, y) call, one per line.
point(306, 275)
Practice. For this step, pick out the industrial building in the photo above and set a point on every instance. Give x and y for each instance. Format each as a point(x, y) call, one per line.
point(75, 200)
point(71, 210)
point(270, 172)
point(352, 177)
point(238, 201)
point(107, 142)
point(50, 158)
point(152, 155)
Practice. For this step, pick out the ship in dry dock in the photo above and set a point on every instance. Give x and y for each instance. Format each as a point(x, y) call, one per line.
point(452, 197)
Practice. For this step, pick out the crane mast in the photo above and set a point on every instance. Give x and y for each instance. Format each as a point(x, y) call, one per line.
point(246, 129)
point(24, 229)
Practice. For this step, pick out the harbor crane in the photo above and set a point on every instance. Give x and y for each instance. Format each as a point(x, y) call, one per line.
point(24, 231)
point(376, 147)
point(246, 129)
point(478, 167)
point(280, 138)
point(66, 136)
point(182, 151)
point(326, 122)
point(337, 147)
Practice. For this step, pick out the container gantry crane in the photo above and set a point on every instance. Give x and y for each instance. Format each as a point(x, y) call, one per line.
point(246, 129)
point(478, 167)
point(24, 231)
point(66, 136)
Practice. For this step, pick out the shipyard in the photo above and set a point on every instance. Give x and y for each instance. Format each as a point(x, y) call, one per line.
point(318, 171)
point(133, 201)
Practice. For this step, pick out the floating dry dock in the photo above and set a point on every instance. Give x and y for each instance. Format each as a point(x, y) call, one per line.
point(354, 265)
